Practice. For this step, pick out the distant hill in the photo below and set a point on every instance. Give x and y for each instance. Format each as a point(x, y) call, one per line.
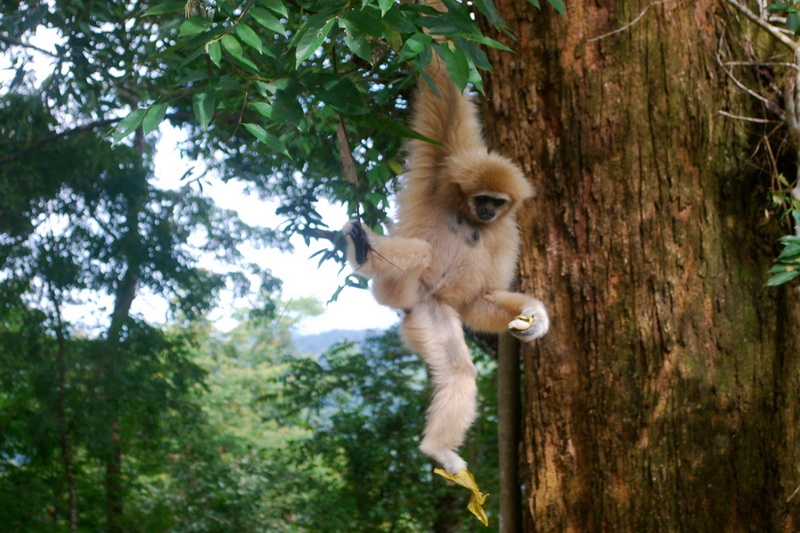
point(319, 342)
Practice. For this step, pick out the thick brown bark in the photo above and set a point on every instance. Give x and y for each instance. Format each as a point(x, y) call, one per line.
point(664, 397)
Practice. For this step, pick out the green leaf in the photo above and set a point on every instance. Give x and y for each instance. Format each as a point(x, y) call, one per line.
point(790, 253)
point(778, 6)
point(793, 22)
point(267, 20)
point(487, 8)
point(232, 45)
point(782, 277)
point(249, 37)
point(262, 108)
point(558, 5)
point(286, 109)
point(203, 104)
point(385, 6)
point(167, 7)
point(343, 96)
point(484, 40)
point(360, 22)
point(128, 124)
point(153, 117)
point(266, 137)
point(475, 54)
point(414, 45)
point(214, 52)
point(389, 126)
point(193, 26)
point(356, 42)
point(311, 40)
point(456, 63)
point(276, 6)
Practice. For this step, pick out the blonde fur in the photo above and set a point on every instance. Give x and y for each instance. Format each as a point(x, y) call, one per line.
point(443, 263)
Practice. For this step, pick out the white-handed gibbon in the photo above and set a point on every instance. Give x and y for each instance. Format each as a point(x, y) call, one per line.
point(451, 256)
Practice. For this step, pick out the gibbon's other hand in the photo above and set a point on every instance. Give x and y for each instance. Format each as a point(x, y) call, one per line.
point(531, 324)
point(357, 234)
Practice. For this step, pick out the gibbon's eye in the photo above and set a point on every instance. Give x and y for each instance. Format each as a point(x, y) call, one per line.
point(487, 207)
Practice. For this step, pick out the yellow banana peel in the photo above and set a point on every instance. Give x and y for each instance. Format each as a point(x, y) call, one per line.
point(465, 478)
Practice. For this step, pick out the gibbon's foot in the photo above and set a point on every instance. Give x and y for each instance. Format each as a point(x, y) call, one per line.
point(360, 242)
point(531, 324)
point(449, 459)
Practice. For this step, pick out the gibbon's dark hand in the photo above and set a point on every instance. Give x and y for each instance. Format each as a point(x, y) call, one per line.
point(360, 242)
point(531, 324)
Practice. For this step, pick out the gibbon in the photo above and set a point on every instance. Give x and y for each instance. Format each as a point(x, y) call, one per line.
point(450, 256)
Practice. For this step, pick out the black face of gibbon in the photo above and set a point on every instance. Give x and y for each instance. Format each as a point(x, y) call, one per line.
point(488, 207)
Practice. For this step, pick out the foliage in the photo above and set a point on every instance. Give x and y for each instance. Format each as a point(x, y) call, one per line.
point(792, 11)
point(367, 410)
point(188, 431)
point(785, 196)
point(787, 264)
point(145, 397)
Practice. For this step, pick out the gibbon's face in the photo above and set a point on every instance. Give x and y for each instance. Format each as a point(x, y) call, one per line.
point(488, 206)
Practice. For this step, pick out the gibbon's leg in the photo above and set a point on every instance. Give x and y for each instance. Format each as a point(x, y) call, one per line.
point(434, 331)
point(524, 316)
point(371, 255)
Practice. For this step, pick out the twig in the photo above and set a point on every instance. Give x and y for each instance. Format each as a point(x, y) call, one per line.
point(749, 119)
point(760, 63)
point(16, 42)
point(769, 103)
point(774, 31)
point(628, 25)
point(38, 143)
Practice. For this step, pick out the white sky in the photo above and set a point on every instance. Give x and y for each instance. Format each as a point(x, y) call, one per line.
point(354, 309)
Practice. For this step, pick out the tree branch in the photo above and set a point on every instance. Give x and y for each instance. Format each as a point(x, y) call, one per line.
point(775, 32)
point(16, 42)
point(628, 25)
point(38, 143)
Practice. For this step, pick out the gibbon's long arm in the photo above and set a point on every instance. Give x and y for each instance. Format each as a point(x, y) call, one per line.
point(524, 316)
point(449, 118)
point(372, 256)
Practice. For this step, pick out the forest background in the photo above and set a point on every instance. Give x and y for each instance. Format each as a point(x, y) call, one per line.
point(662, 137)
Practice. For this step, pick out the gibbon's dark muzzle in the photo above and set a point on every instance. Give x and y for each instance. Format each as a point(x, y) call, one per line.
point(485, 212)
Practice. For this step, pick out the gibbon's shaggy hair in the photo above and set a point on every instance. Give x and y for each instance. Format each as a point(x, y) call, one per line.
point(451, 256)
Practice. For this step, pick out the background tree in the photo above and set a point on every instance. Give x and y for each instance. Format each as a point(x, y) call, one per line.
point(663, 398)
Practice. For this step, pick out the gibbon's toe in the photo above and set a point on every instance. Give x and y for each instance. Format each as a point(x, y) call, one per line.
point(531, 324)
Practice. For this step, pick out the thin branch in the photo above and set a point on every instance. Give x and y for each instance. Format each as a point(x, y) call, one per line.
point(628, 25)
point(767, 102)
point(16, 42)
point(760, 63)
point(38, 143)
point(749, 119)
point(773, 30)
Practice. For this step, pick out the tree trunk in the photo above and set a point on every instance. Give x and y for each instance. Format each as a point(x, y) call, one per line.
point(664, 396)
point(64, 426)
point(123, 300)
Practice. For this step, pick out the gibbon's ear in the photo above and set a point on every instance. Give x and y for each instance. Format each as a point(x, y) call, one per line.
point(476, 173)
